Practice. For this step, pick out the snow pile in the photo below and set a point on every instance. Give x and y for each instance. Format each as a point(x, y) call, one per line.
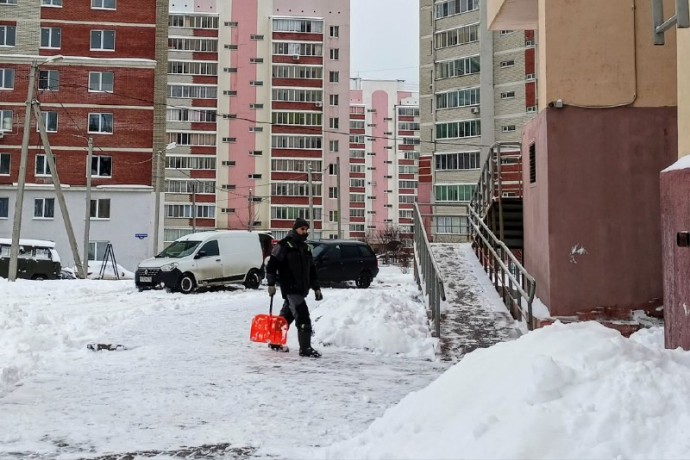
point(564, 391)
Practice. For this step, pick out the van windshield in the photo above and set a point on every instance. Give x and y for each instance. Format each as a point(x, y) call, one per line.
point(179, 249)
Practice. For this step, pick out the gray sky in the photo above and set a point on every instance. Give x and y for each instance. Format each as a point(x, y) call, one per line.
point(385, 40)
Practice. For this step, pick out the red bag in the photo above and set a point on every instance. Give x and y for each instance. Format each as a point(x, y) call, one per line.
point(269, 329)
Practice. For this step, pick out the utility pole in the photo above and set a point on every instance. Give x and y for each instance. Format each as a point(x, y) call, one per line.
point(21, 181)
point(87, 214)
point(58, 188)
point(193, 207)
point(340, 218)
point(250, 225)
point(311, 199)
point(157, 201)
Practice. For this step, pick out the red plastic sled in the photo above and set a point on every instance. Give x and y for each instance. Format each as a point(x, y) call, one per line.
point(269, 329)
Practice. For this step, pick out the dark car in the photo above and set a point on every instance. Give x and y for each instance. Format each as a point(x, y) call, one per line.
point(344, 260)
point(37, 259)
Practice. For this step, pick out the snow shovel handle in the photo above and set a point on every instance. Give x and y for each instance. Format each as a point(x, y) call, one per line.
point(270, 308)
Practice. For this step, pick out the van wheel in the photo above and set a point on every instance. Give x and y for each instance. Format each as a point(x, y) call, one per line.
point(363, 281)
point(253, 279)
point(186, 285)
point(39, 277)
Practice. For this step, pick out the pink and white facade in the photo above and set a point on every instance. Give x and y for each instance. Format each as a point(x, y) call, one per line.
point(384, 157)
point(266, 99)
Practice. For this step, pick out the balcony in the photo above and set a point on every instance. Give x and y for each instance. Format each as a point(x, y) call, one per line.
point(513, 14)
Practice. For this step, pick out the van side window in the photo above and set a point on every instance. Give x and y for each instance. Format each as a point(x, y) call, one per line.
point(350, 252)
point(334, 253)
point(210, 248)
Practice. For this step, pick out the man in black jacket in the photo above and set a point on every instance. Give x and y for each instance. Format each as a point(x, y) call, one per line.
point(291, 259)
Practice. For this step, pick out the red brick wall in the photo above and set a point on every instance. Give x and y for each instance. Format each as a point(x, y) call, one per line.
point(127, 11)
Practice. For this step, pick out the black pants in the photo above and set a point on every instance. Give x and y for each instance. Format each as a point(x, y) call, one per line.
point(299, 314)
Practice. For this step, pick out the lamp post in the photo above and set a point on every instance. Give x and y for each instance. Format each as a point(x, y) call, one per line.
point(21, 180)
point(158, 185)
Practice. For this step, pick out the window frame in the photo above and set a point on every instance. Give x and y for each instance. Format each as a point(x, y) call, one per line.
point(96, 206)
point(100, 82)
point(97, 161)
point(47, 116)
point(103, 7)
point(46, 82)
point(51, 38)
point(5, 33)
point(5, 159)
point(102, 40)
point(100, 123)
point(51, 3)
point(45, 166)
point(3, 117)
point(7, 75)
point(44, 208)
point(5, 207)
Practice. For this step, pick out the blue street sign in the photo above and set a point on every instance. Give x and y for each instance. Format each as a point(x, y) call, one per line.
point(141, 236)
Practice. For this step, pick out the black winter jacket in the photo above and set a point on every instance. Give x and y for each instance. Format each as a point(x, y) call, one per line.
point(292, 262)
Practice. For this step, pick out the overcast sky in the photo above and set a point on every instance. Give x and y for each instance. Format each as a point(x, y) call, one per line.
point(385, 40)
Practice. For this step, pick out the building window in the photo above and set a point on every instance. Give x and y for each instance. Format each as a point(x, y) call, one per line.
point(333, 146)
point(6, 120)
point(102, 40)
point(192, 68)
point(457, 161)
point(334, 31)
point(42, 166)
point(101, 82)
point(50, 121)
point(508, 95)
point(448, 225)
point(54, 3)
point(508, 128)
point(532, 164)
point(458, 192)
point(100, 209)
point(459, 36)
point(6, 78)
point(8, 2)
point(334, 54)
point(332, 169)
point(4, 208)
point(333, 76)
point(507, 32)
point(49, 80)
point(453, 7)
point(256, 37)
point(8, 35)
point(458, 129)
point(101, 123)
point(508, 63)
point(50, 37)
point(298, 25)
point(102, 166)
point(256, 83)
point(333, 99)
point(5, 164)
point(532, 109)
point(97, 250)
point(457, 68)
point(44, 208)
point(332, 192)
point(103, 4)
point(333, 216)
point(334, 123)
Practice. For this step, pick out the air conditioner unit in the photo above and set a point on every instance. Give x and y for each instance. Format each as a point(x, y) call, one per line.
point(318, 104)
point(295, 57)
point(474, 110)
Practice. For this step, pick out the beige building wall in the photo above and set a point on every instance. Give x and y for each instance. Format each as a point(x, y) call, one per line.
point(618, 49)
point(683, 91)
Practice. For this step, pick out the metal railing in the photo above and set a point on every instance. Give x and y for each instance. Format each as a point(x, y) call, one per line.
point(501, 176)
point(513, 283)
point(430, 274)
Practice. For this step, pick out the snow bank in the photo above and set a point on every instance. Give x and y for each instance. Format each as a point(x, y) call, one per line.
point(564, 391)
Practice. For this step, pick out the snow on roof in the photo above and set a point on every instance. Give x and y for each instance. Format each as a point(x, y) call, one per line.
point(682, 163)
point(29, 242)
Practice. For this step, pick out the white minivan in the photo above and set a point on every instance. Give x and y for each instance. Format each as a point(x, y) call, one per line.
point(205, 259)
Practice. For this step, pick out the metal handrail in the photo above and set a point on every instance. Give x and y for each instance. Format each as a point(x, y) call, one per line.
point(430, 273)
point(524, 284)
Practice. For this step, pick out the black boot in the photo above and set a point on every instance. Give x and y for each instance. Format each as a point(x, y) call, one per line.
point(305, 349)
point(282, 348)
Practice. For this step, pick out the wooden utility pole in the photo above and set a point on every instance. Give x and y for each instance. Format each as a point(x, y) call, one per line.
point(87, 213)
point(58, 190)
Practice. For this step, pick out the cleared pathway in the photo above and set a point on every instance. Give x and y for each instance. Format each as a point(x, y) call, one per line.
point(473, 315)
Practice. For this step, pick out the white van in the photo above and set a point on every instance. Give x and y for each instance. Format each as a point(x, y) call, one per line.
point(204, 259)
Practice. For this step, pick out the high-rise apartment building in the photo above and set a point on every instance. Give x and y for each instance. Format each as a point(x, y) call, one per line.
point(383, 158)
point(96, 64)
point(257, 109)
point(477, 87)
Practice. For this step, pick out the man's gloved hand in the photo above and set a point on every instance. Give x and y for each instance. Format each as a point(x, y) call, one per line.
point(318, 295)
point(271, 291)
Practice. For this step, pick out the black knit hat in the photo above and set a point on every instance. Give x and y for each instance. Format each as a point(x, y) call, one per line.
point(299, 222)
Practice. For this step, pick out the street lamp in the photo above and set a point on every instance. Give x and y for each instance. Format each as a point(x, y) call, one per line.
point(21, 180)
point(158, 185)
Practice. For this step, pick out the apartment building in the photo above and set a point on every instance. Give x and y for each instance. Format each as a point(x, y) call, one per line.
point(96, 64)
point(384, 143)
point(257, 97)
point(477, 87)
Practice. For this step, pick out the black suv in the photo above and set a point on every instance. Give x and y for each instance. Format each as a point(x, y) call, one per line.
point(344, 260)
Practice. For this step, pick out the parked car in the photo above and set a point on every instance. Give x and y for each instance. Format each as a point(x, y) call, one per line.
point(344, 260)
point(37, 260)
point(204, 259)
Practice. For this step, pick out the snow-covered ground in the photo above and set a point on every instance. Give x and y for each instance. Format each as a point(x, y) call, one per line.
point(191, 383)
